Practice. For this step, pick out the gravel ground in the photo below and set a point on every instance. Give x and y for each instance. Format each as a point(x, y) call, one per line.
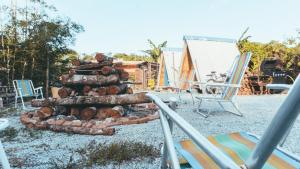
point(37, 150)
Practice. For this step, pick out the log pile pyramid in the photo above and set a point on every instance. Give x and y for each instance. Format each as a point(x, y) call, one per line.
point(93, 80)
point(92, 91)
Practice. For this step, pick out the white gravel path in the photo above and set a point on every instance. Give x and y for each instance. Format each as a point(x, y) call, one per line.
point(258, 111)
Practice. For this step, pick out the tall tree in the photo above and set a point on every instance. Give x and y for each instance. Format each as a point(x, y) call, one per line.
point(34, 45)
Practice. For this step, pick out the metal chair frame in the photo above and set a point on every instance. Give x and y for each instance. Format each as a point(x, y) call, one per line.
point(272, 137)
point(36, 92)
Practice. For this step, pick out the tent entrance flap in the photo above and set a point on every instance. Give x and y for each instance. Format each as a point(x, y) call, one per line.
point(170, 60)
point(204, 55)
point(166, 79)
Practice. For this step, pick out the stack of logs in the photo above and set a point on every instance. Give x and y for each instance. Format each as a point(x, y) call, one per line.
point(95, 79)
point(91, 91)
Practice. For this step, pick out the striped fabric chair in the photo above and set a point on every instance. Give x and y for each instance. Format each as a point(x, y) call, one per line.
point(229, 88)
point(25, 88)
point(238, 146)
point(239, 150)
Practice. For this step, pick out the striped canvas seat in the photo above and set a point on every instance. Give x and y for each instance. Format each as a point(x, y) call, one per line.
point(238, 147)
point(25, 88)
point(229, 88)
point(237, 75)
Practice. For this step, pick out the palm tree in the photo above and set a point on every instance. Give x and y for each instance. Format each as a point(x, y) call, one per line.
point(155, 51)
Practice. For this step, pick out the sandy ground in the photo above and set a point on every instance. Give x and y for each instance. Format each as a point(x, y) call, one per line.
point(39, 149)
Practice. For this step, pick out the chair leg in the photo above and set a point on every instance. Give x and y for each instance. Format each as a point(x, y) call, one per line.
point(192, 98)
point(164, 156)
point(4, 160)
point(16, 102)
point(199, 108)
point(221, 105)
point(42, 93)
point(23, 105)
point(237, 109)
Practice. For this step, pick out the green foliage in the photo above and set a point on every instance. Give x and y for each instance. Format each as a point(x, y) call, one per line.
point(133, 57)
point(288, 52)
point(88, 57)
point(36, 44)
point(155, 50)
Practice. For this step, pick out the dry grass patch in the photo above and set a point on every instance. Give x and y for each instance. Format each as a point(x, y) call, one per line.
point(117, 153)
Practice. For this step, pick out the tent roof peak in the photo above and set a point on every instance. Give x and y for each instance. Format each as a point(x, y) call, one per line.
point(207, 38)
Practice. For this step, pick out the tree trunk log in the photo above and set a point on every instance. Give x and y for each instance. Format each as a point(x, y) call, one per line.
point(87, 72)
point(93, 93)
point(115, 112)
point(100, 57)
point(101, 91)
point(124, 75)
point(116, 89)
point(107, 70)
point(129, 90)
point(98, 80)
point(94, 65)
point(45, 112)
point(65, 77)
point(124, 99)
point(74, 111)
point(78, 62)
point(87, 113)
point(86, 89)
point(64, 92)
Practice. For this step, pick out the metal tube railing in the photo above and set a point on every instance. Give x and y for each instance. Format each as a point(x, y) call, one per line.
point(220, 158)
point(169, 144)
point(280, 125)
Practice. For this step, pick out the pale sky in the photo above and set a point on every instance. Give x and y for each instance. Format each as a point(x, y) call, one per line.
point(125, 25)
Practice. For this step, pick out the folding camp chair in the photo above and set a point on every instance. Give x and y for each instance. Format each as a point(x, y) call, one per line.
point(25, 88)
point(229, 88)
point(235, 150)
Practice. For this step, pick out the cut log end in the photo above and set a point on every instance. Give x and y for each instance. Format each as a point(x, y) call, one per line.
point(64, 92)
point(115, 112)
point(45, 112)
point(74, 111)
point(116, 89)
point(100, 57)
point(129, 90)
point(87, 113)
point(101, 91)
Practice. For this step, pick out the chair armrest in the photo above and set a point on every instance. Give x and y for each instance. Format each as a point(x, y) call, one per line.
point(278, 86)
point(201, 83)
point(38, 88)
point(223, 85)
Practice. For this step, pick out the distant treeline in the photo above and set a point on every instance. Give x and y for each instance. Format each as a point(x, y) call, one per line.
point(133, 57)
point(288, 52)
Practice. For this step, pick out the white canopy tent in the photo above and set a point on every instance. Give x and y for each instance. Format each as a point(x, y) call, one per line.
point(170, 60)
point(201, 55)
